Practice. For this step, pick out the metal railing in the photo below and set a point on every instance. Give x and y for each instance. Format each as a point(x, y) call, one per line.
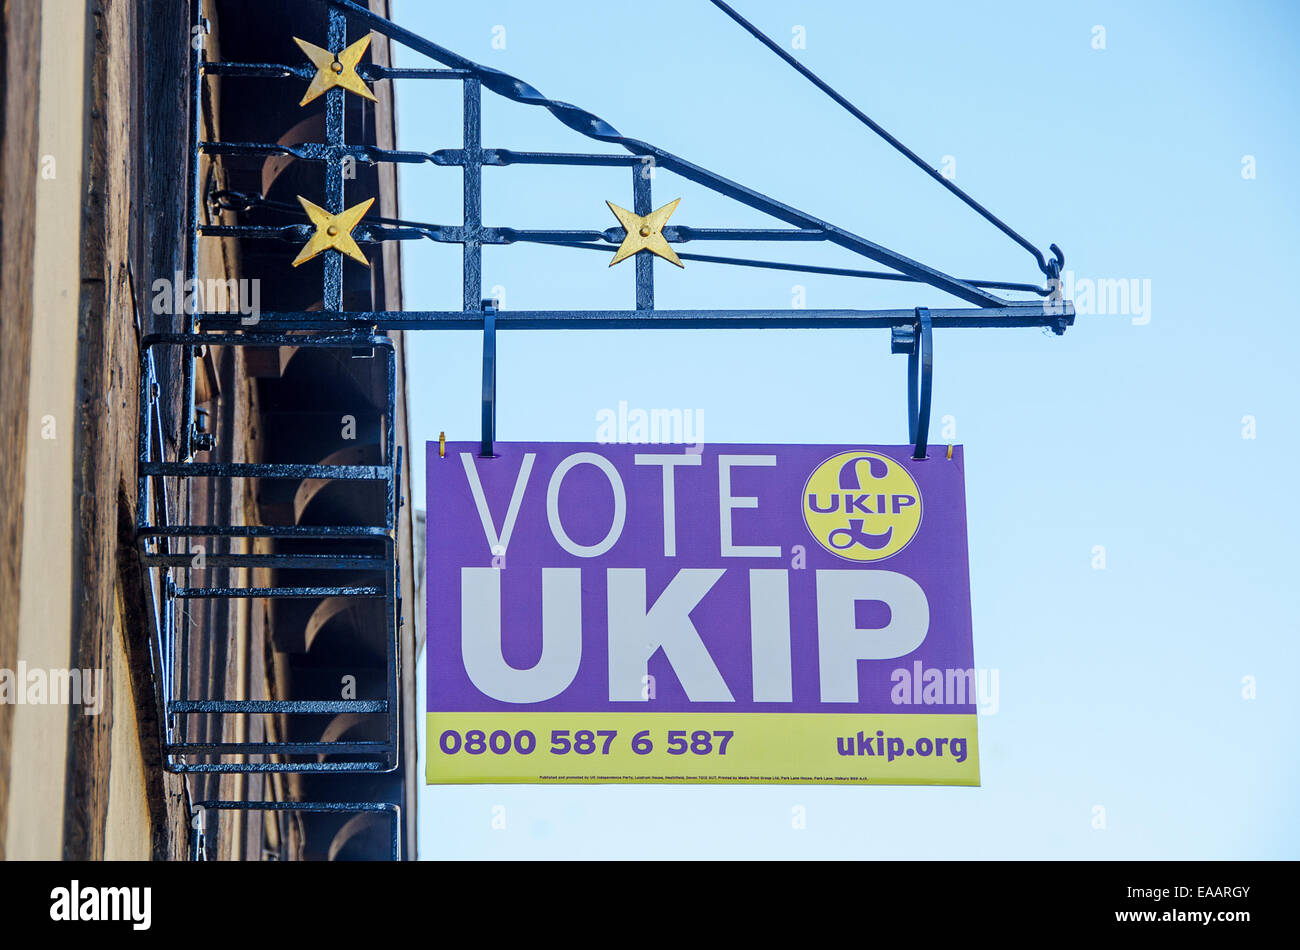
point(175, 548)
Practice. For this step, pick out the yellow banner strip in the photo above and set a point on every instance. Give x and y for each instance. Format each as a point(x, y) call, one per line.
point(704, 747)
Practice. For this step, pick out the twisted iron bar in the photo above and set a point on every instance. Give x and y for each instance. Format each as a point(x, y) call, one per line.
point(370, 72)
point(402, 229)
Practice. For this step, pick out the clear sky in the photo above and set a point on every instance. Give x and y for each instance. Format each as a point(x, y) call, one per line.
point(1123, 687)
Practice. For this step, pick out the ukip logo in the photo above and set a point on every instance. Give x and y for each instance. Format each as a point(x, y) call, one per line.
point(862, 506)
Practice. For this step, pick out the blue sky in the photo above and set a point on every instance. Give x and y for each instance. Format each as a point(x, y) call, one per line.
point(1120, 687)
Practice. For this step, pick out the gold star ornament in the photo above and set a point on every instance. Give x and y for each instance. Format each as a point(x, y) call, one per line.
point(332, 70)
point(644, 233)
point(333, 231)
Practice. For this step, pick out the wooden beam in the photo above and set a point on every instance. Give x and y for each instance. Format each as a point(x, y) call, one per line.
point(20, 53)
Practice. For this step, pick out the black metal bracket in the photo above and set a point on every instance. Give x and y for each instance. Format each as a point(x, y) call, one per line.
point(487, 448)
point(169, 546)
point(918, 343)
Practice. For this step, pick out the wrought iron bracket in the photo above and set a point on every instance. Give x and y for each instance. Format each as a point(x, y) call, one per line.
point(370, 548)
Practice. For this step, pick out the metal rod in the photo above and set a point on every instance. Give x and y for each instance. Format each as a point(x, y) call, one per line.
point(377, 765)
point(335, 135)
point(266, 470)
point(209, 593)
point(920, 375)
point(318, 807)
point(376, 532)
point(1027, 314)
point(472, 262)
point(371, 72)
point(197, 57)
point(643, 204)
point(255, 706)
point(489, 419)
point(277, 748)
point(322, 562)
point(392, 651)
point(879, 130)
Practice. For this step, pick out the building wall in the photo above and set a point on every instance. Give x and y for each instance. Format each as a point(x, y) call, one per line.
point(45, 591)
point(107, 115)
point(127, 828)
point(20, 46)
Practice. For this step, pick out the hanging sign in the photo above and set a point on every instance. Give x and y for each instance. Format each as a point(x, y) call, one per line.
point(730, 613)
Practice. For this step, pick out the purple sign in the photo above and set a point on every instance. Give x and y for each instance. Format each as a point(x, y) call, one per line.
point(640, 587)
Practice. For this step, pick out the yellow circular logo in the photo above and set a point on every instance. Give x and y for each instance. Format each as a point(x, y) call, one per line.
point(862, 505)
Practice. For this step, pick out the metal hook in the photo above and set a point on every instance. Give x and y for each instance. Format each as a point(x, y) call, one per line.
point(916, 341)
point(1059, 261)
point(487, 447)
point(918, 411)
point(1055, 300)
